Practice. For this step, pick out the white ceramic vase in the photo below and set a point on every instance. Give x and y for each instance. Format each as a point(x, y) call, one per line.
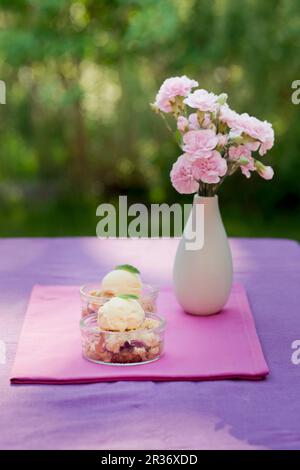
point(202, 272)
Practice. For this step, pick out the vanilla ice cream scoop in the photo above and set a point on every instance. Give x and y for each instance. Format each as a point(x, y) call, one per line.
point(120, 314)
point(122, 281)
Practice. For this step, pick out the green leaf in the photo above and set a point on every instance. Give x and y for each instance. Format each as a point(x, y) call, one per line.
point(127, 296)
point(243, 161)
point(129, 268)
point(178, 137)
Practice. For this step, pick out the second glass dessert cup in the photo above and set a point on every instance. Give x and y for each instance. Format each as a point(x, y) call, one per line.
point(138, 346)
point(92, 299)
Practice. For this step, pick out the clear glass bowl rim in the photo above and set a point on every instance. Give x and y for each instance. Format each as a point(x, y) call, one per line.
point(97, 330)
point(153, 290)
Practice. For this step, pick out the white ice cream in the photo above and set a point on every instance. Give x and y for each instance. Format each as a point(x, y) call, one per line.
point(120, 281)
point(120, 315)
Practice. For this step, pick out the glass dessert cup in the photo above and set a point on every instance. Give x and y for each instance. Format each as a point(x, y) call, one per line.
point(138, 346)
point(92, 299)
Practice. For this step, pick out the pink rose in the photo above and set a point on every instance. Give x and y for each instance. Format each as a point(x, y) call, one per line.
point(241, 151)
point(253, 146)
point(209, 169)
point(193, 122)
point(266, 172)
point(261, 131)
point(172, 87)
point(182, 177)
point(258, 130)
point(202, 100)
point(200, 143)
point(246, 168)
point(182, 124)
point(228, 116)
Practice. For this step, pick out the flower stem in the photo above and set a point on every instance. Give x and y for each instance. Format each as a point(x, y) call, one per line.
point(169, 128)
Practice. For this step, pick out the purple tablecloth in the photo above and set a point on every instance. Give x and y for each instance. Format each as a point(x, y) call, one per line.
point(147, 415)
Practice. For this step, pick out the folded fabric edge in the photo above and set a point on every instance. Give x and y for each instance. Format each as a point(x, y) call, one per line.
point(37, 381)
point(258, 357)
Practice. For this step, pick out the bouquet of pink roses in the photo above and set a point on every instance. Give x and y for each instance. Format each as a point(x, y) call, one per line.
point(214, 139)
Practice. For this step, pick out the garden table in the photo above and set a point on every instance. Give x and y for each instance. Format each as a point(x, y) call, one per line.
point(228, 414)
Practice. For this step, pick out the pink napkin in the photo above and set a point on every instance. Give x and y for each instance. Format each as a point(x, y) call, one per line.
point(196, 348)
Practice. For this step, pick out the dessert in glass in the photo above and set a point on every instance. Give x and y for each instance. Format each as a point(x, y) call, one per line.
point(123, 279)
point(122, 333)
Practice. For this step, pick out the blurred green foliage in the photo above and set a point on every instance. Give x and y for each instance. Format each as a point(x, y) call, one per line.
point(77, 129)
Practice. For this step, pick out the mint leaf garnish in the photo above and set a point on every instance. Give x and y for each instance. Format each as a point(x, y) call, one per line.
point(128, 267)
point(127, 296)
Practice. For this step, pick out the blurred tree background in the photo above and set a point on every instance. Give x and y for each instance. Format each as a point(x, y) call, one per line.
point(77, 129)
